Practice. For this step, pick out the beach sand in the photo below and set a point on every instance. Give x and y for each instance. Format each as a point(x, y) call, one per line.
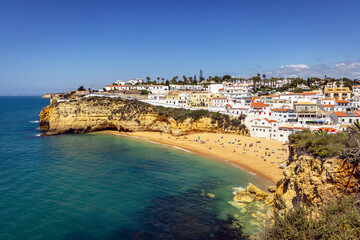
point(233, 148)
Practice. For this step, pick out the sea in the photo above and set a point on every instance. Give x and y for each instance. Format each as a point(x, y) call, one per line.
point(102, 186)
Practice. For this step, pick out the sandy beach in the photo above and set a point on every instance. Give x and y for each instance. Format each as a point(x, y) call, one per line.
point(257, 155)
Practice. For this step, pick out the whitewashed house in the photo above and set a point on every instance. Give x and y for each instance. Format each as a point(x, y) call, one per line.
point(356, 90)
point(345, 118)
point(219, 101)
point(120, 82)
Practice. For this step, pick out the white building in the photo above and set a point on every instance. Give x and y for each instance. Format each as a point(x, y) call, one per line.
point(259, 108)
point(283, 114)
point(175, 87)
point(119, 87)
point(345, 118)
point(120, 82)
point(237, 111)
point(181, 99)
point(272, 129)
point(214, 88)
point(135, 81)
point(154, 88)
point(219, 101)
point(356, 90)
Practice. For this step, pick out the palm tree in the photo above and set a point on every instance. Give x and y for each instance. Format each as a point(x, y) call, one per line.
point(162, 79)
point(148, 79)
point(184, 78)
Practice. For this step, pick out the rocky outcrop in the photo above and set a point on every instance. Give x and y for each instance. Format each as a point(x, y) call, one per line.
point(250, 193)
point(314, 182)
point(94, 114)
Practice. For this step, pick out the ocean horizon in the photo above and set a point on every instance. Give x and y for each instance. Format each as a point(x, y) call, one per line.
point(102, 186)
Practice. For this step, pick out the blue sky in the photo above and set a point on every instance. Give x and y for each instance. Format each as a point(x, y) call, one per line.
point(52, 46)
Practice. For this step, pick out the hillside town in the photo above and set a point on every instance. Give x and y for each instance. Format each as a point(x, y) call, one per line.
point(272, 108)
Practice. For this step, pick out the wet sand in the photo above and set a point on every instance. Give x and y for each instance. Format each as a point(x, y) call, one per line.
point(259, 156)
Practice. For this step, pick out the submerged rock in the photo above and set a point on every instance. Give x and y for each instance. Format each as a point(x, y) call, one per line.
point(210, 195)
point(238, 205)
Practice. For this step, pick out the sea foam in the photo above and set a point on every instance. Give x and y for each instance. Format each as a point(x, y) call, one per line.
point(37, 121)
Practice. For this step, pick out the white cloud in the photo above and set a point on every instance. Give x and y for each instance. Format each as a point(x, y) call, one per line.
point(339, 70)
point(298, 66)
point(348, 66)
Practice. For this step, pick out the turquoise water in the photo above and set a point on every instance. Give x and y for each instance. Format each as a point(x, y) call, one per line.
point(99, 186)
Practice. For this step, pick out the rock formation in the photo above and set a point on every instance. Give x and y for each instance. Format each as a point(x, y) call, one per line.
point(313, 182)
point(101, 113)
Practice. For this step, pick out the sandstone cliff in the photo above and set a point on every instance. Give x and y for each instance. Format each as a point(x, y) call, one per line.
point(94, 114)
point(313, 181)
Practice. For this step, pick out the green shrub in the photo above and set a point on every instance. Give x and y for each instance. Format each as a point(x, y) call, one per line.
point(320, 145)
point(338, 220)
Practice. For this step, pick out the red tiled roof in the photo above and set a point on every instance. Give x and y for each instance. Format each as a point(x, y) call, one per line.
point(270, 121)
point(293, 128)
point(340, 114)
point(259, 104)
point(271, 96)
point(254, 98)
point(341, 101)
point(326, 105)
point(308, 93)
point(279, 110)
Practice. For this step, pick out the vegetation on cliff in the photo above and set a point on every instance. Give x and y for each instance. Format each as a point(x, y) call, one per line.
point(338, 220)
point(323, 145)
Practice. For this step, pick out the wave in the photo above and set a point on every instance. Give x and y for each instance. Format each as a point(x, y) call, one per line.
point(36, 121)
point(38, 135)
point(180, 148)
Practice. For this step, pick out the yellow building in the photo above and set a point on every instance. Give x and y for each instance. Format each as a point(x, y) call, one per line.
point(203, 99)
point(339, 93)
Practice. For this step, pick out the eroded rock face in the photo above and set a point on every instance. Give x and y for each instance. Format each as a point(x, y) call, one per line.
point(89, 115)
point(250, 193)
point(314, 182)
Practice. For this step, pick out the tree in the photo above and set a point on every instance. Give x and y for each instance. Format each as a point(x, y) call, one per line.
point(158, 79)
point(162, 79)
point(226, 77)
point(167, 83)
point(81, 88)
point(148, 80)
point(184, 78)
point(173, 80)
point(264, 76)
